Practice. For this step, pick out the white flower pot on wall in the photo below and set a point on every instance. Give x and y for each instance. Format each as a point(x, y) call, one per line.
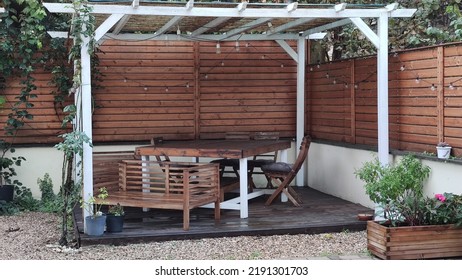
point(443, 152)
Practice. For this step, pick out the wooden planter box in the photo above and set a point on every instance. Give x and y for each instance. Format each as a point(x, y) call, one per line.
point(414, 242)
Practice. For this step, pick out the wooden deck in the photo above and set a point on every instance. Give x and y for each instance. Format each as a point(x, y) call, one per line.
point(319, 213)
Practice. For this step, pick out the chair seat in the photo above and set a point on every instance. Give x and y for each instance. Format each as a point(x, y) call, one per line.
point(259, 162)
point(227, 162)
point(279, 167)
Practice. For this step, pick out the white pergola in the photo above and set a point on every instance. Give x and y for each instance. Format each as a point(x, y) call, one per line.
point(236, 22)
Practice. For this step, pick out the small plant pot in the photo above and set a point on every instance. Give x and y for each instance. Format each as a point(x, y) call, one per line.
point(443, 152)
point(114, 223)
point(95, 225)
point(7, 193)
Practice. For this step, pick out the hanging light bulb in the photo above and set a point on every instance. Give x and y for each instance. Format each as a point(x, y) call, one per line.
point(346, 85)
point(318, 66)
point(395, 54)
point(402, 68)
point(311, 69)
point(433, 87)
point(125, 80)
point(237, 46)
point(334, 81)
point(247, 45)
point(145, 88)
point(218, 51)
point(178, 33)
point(206, 76)
point(187, 85)
point(166, 89)
point(263, 57)
point(222, 63)
point(282, 65)
point(327, 75)
point(356, 86)
point(451, 86)
point(417, 80)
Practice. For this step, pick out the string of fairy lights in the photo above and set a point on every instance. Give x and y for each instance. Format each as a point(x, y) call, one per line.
point(416, 73)
point(220, 62)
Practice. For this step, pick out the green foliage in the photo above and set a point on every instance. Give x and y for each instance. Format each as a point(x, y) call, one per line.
point(91, 204)
point(116, 210)
point(387, 184)
point(49, 202)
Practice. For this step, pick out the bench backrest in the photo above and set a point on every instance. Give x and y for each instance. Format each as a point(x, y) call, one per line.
point(106, 169)
point(169, 177)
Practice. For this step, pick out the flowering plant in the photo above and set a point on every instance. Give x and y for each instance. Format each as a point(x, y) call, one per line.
point(415, 210)
point(442, 144)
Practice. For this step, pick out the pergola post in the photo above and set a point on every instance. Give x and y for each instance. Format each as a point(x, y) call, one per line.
point(301, 50)
point(86, 121)
point(382, 89)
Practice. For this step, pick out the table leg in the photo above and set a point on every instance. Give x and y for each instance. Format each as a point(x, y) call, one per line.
point(243, 188)
point(284, 159)
point(145, 159)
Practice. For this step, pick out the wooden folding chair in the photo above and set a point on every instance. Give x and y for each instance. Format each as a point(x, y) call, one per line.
point(282, 174)
point(255, 164)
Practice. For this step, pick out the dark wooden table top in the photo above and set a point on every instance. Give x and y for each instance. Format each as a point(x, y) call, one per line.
point(214, 148)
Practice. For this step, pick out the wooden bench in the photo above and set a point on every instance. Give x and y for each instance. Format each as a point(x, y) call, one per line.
point(167, 185)
point(106, 168)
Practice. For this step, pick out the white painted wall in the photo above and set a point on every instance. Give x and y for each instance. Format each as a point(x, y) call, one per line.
point(330, 169)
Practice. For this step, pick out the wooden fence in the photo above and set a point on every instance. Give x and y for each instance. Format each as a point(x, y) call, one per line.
point(186, 90)
point(425, 95)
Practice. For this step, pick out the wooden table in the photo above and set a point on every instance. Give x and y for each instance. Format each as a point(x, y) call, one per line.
point(236, 149)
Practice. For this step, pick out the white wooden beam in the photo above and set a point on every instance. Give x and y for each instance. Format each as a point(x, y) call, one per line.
point(366, 30)
point(291, 24)
point(245, 27)
point(328, 26)
point(120, 25)
point(293, 54)
point(340, 7)
point(185, 37)
point(107, 25)
point(391, 7)
point(136, 3)
point(209, 25)
point(190, 5)
point(382, 90)
point(242, 6)
point(86, 119)
point(301, 49)
point(58, 34)
point(292, 7)
point(173, 21)
point(230, 12)
point(317, 36)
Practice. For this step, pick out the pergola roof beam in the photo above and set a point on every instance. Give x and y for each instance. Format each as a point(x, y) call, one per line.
point(173, 21)
point(120, 25)
point(189, 4)
point(340, 7)
point(242, 6)
point(367, 31)
point(206, 37)
point(293, 54)
point(136, 3)
point(230, 12)
point(107, 25)
point(327, 26)
point(210, 25)
point(245, 27)
point(291, 24)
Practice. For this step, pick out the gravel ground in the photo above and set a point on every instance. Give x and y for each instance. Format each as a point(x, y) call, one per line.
point(35, 235)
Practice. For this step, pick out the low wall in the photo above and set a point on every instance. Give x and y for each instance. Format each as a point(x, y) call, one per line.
point(330, 169)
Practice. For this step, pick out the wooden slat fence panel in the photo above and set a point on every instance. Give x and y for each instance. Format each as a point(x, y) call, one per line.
point(253, 89)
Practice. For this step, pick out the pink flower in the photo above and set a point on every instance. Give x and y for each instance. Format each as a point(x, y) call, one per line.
point(440, 197)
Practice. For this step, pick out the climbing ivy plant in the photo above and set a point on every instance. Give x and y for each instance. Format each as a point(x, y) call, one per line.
point(22, 32)
point(82, 26)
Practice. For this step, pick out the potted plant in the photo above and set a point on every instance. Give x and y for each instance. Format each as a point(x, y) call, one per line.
point(115, 218)
point(443, 150)
point(96, 221)
point(416, 227)
point(7, 171)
